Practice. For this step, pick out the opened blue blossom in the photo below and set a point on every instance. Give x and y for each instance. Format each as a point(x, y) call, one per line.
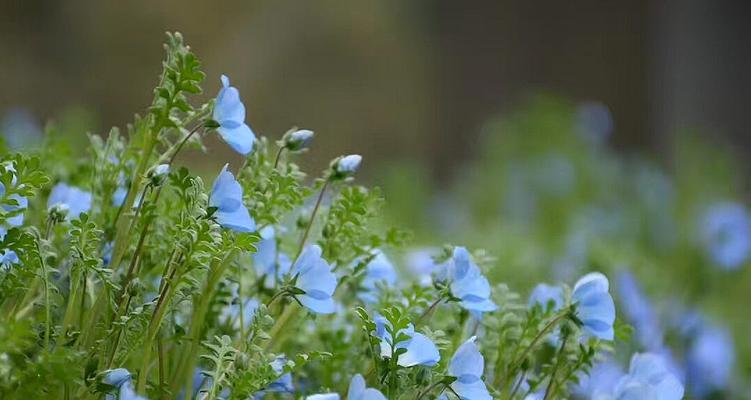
point(70, 198)
point(594, 305)
point(121, 380)
point(229, 113)
point(315, 278)
point(545, 295)
point(710, 360)
point(379, 271)
point(358, 390)
point(726, 234)
point(227, 197)
point(639, 311)
point(270, 264)
point(649, 378)
point(420, 349)
point(468, 284)
point(467, 367)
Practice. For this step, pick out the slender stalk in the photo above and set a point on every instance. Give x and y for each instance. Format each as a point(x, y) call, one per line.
point(47, 312)
point(429, 310)
point(517, 385)
point(515, 365)
point(551, 385)
point(278, 156)
point(310, 223)
point(430, 389)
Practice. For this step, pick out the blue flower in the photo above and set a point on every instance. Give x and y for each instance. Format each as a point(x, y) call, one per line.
point(467, 367)
point(8, 257)
point(269, 263)
point(422, 265)
point(283, 384)
point(358, 390)
point(298, 140)
point(118, 198)
point(726, 234)
point(229, 113)
point(315, 278)
point(323, 396)
point(379, 269)
point(639, 311)
point(227, 197)
point(710, 360)
point(70, 198)
point(347, 165)
point(600, 381)
point(420, 349)
point(121, 380)
point(544, 295)
point(594, 305)
point(649, 378)
point(468, 284)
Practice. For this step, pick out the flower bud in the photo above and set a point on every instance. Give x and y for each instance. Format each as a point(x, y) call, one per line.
point(298, 140)
point(345, 166)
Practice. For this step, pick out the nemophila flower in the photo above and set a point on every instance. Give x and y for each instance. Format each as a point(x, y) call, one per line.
point(20, 128)
point(227, 197)
point(726, 234)
point(594, 305)
point(229, 113)
point(420, 349)
point(358, 390)
point(639, 312)
point(379, 271)
point(545, 295)
point(600, 381)
point(467, 367)
point(323, 396)
point(283, 384)
point(69, 198)
point(594, 122)
point(420, 262)
point(710, 360)
point(121, 381)
point(468, 284)
point(269, 263)
point(649, 378)
point(298, 140)
point(346, 165)
point(315, 278)
point(8, 258)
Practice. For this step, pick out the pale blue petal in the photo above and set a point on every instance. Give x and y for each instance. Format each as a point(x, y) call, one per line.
point(467, 360)
point(474, 390)
point(240, 137)
point(226, 193)
point(238, 220)
point(420, 351)
point(323, 396)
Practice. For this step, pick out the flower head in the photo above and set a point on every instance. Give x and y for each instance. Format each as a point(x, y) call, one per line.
point(121, 380)
point(346, 165)
point(298, 140)
point(594, 305)
point(544, 294)
point(422, 265)
point(649, 378)
point(70, 198)
point(283, 384)
point(270, 264)
point(710, 360)
point(467, 367)
point(638, 310)
point(468, 284)
point(227, 197)
point(420, 350)
point(229, 113)
point(8, 257)
point(323, 396)
point(726, 234)
point(358, 390)
point(315, 278)
point(379, 269)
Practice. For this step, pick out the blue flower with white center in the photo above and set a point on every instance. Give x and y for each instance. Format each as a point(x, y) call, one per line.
point(323, 396)
point(639, 312)
point(358, 390)
point(227, 197)
point(420, 349)
point(710, 360)
point(547, 295)
point(594, 305)
point(378, 271)
point(315, 278)
point(229, 113)
point(726, 234)
point(8, 258)
point(467, 367)
point(649, 378)
point(468, 284)
point(70, 198)
point(269, 263)
point(122, 381)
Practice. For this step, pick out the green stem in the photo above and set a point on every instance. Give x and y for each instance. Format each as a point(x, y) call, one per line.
point(278, 156)
point(551, 385)
point(310, 223)
point(515, 365)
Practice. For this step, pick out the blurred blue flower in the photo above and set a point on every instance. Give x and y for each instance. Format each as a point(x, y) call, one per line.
point(594, 122)
point(118, 198)
point(269, 263)
point(347, 165)
point(70, 198)
point(379, 269)
point(229, 113)
point(227, 197)
point(121, 380)
point(649, 378)
point(420, 349)
point(594, 305)
point(231, 312)
point(467, 367)
point(20, 128)
point(8, 257)
point(639, 312)
point(726, 234)
point(358, 391)
point(315, 278)
point(420, 262)
point(601, 380)
point(544, 295)
point(283, 384)
point(323, 396)
point(468, 284)
point(710, 360)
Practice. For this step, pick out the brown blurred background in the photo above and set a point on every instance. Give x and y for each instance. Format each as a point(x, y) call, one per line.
point(393, 79)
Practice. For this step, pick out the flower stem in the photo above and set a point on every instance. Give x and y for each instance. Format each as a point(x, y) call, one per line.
point(551, 385)
point(515, 365)
point(312, 219)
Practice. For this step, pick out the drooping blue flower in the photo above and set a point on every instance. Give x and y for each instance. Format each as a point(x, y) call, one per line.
point(594, 305)
point(70, 198)
point(315, 278)
point(323, 396)
point(229, 113)
point(710, 360)
point(378, 271)
point(121, 381)
point(726, 234)
point(544, 295)
point(649, 378)
point(420, 349)
point(467, 367)
point(358, 390)
point(468, 283)
point(227, 197)
point(269, 263)
point(639, 312)
point(298, 140)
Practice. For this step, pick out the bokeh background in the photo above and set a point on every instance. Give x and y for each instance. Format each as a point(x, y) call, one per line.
point(561, 136)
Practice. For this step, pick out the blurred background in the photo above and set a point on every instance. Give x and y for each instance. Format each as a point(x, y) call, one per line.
point(562, 137)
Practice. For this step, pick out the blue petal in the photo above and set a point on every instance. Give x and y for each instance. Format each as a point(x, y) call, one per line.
point(238, 220)
point(475, 390)
point(239, 137)
point(323, 396)
point(467, 360)
point(226, 193)
point(420, 351)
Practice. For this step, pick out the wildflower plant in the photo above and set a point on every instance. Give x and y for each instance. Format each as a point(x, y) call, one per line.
point(127, 276)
